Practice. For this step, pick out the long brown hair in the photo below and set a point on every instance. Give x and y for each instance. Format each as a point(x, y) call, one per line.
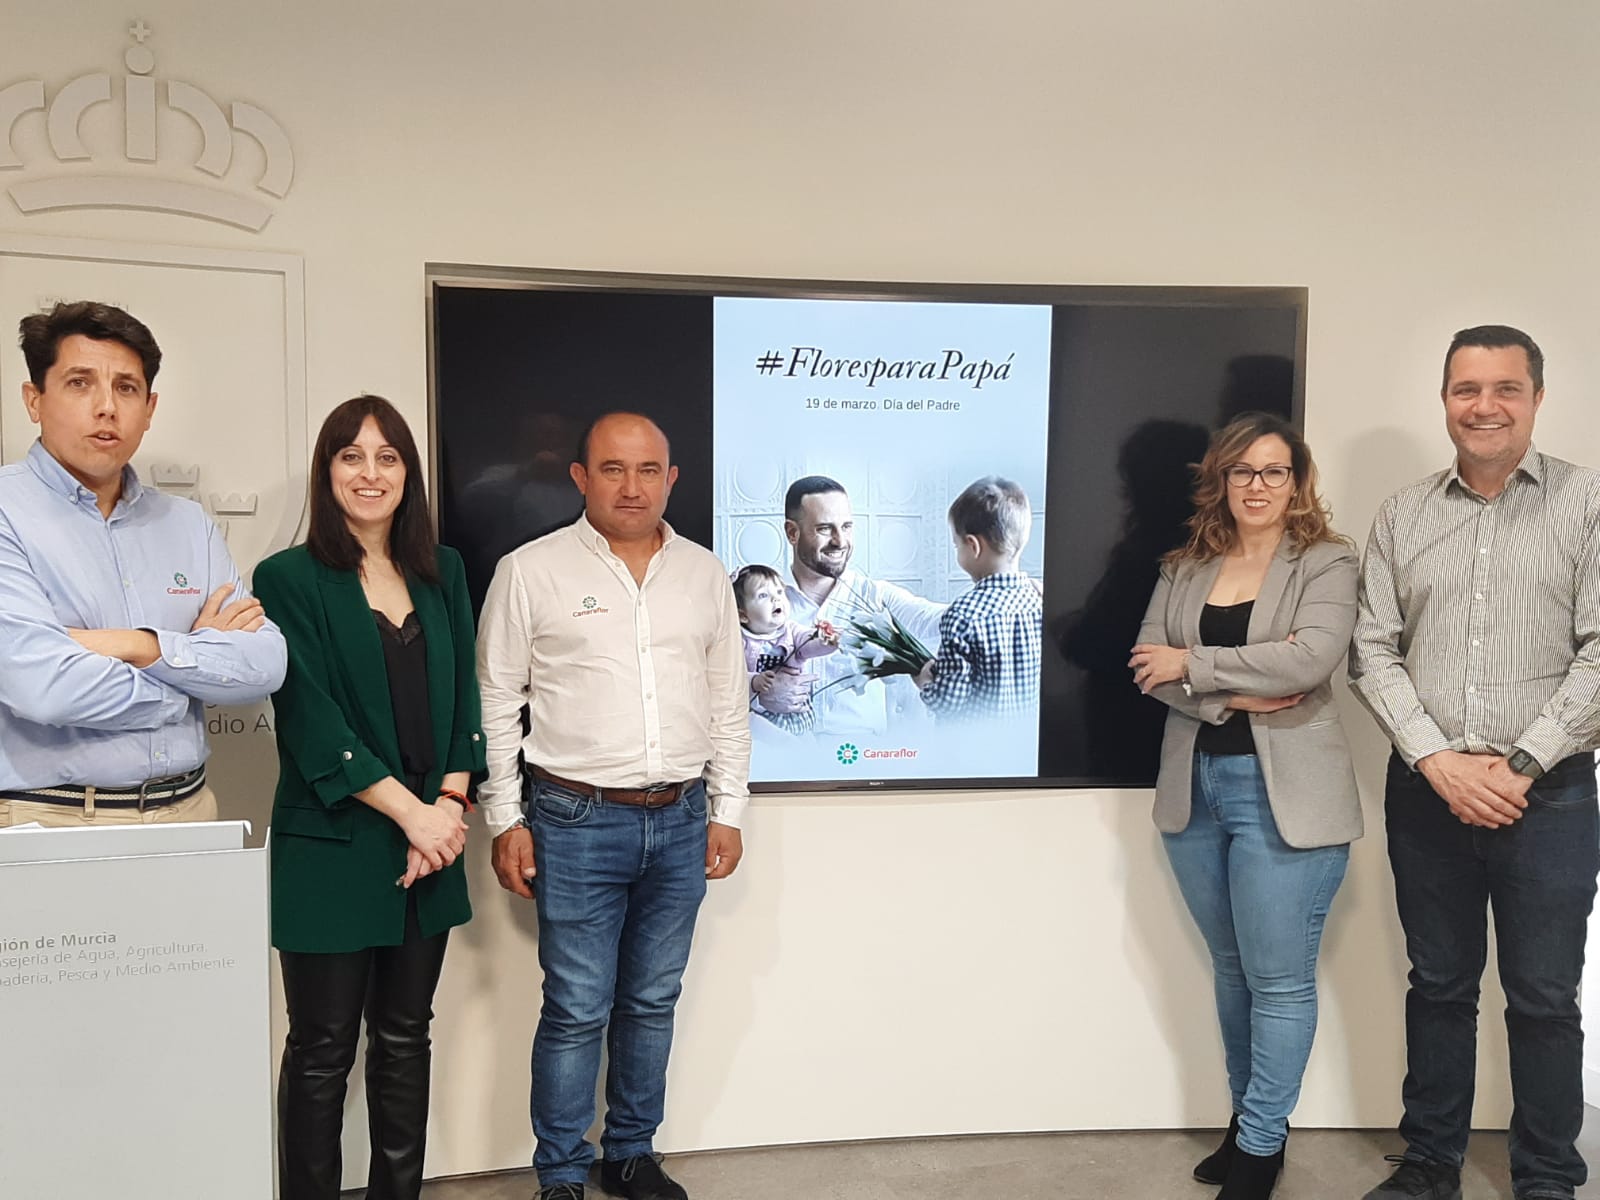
point(1211, 529)
point(412, 545)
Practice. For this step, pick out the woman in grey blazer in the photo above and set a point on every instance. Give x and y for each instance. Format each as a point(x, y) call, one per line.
point(1256, 798)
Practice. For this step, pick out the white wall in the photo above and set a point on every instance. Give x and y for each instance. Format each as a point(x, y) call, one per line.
point(966, 962)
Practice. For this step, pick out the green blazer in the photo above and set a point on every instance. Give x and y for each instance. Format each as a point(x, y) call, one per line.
point(335, 860)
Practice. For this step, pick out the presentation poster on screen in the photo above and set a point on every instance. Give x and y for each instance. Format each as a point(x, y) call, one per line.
point(843, 432)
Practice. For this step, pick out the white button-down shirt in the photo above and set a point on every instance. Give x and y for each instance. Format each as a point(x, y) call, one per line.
point(626, 684)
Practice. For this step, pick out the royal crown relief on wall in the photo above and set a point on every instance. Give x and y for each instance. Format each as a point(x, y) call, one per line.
point(142, 183)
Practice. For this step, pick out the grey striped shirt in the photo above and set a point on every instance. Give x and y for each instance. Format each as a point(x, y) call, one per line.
point(1479, 626)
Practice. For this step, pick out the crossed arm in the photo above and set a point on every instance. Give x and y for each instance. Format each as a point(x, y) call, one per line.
point(127, 679)
point(142, 647)
point(1159, 667)
point(50, 678)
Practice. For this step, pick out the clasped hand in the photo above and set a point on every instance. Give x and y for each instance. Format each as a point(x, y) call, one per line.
point(1480, 789)
point(437, 835)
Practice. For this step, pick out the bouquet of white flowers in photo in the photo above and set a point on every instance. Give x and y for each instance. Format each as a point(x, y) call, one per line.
point(881, 647)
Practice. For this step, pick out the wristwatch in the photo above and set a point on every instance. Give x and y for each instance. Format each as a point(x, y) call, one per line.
point(1524, 763)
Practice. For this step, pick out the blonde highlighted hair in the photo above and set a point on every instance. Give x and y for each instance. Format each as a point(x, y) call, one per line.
point(1211, 529)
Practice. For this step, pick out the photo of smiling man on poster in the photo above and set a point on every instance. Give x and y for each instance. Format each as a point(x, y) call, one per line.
point(823, 588)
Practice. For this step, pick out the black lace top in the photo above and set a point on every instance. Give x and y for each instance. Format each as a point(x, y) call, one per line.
point(405, 653)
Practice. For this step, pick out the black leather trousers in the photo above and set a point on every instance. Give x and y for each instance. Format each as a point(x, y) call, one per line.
point(327, 996)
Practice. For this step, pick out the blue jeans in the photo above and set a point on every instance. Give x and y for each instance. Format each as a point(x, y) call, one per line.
point(1538, 876)
point(1260, 904)
point(618, 888)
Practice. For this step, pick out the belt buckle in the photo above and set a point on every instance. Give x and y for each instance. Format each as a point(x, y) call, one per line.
point(167, 782)
point(659, 789)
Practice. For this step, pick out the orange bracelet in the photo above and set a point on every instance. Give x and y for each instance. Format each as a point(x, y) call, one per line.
point(459, 797)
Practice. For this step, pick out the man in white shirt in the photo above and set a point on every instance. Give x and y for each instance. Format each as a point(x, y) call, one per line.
point(622, 641)
point(820, 526)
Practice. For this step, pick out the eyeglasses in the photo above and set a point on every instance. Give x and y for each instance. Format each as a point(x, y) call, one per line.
point(1241, 476)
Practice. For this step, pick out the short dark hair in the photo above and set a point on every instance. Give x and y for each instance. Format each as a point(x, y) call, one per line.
point(1497, 337)
point(750, 571)
point(995, 510)
point(581, 454)
point(809, 485)
point(42, 334)
point(412, 545)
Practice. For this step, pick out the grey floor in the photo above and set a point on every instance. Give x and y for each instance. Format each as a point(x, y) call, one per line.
point(1322, 1165)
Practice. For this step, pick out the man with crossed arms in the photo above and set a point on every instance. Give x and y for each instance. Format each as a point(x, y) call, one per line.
point(121, 612)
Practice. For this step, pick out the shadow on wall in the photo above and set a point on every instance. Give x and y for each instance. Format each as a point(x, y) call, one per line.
point(1123, 724)
point(524, 495)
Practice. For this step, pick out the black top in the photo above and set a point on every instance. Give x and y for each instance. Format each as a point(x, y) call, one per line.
point(405, 654)
point(1226, 625)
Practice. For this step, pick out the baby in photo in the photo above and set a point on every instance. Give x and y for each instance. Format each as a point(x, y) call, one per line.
point(989, 637)
point(773, 641)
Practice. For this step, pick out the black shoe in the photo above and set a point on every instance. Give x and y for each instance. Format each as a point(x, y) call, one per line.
point(639, 1178)
point(1415, 1178)
point(1213, 1168)
point(1251, 1176)
point(561, 1191)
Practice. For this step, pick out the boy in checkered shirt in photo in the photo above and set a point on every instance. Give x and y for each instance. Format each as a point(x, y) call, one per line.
point(989, 637)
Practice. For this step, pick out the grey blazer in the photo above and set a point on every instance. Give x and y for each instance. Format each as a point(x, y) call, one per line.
point(1305, 759)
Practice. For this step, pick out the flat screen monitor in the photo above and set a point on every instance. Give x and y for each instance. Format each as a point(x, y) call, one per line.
point(983, 475)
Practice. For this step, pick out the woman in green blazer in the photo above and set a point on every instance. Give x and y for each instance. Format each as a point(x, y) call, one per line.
point(378, 734)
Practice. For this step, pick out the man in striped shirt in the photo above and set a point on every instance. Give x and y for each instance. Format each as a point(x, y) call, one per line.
point(1477, 650)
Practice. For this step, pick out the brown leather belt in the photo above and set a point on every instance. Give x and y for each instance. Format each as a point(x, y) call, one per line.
point(657, 795)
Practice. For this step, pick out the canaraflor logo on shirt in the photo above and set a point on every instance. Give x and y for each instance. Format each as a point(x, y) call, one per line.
point(591, 608)
point(183, 588)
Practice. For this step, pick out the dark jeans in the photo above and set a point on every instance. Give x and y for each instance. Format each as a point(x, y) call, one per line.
point(327, 995)
point(1538, 877)
point(618, 889)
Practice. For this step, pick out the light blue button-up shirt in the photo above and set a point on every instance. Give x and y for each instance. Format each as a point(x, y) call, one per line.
point(68, 715)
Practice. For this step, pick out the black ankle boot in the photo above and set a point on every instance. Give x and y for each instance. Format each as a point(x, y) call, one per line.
point(1213, 1168)
point(1251, 1176)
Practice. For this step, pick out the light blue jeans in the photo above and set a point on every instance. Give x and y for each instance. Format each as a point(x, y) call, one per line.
point(1260, 904)
point(618, 889)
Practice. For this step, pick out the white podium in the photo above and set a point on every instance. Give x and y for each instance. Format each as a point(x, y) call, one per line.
point(134, 1039)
